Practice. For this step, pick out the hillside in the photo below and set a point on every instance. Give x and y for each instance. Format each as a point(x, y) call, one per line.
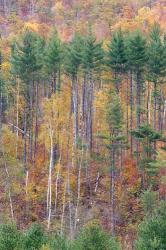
point(83, 117)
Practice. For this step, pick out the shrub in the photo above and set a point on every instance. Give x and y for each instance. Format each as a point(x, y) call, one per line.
point(9, 237)
point(152, 231)
point(34, 238)
point(94, 238)
point(58, 242)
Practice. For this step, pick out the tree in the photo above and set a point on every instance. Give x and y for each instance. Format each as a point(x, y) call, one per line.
point(25, 66)
point(23, 58)
point(92, 58)
point(117, 57)
point(152, 231)
point(115, 141)
point(136, 55)
point(59, 242)
point(72, 66)
point(33, 238)
point(156, 68)
point(10, 238)
point(149, 200)
point(93, 238)
point(147, 137)
point(53, 60)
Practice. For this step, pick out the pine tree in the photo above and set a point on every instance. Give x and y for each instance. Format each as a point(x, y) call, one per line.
point(136, 62)
point(137, 55)
point(117, 57)
point(93, 237)
point(73, 56)
point(25, 66)
point(147, 137)
point(10, 238)
point(115, 141)
point(23, 58)
point(152, 231)
point(53, 60)
point(156, 66)
point(92, 58)
point(33, 238)
point(72, 67)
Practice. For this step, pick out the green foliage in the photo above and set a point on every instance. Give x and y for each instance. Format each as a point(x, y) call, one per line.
point(9, 237)
point(73, 55)
point(152, 231)
point(145, 132)
point(34, 238)
point(147, 136)
point(94, 238)
point(92, 55)
point(156, 52)
point(114, 113)
point(53, 53)
point(40, 56)
point(116, 54)
point(149, 201)
point(23, 57)
point(59, 242)
point(136, 51)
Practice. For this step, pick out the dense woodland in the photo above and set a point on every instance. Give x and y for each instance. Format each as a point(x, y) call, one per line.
point(83, 124)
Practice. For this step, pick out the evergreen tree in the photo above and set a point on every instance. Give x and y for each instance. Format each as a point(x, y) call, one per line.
point(53, 60)
point(72, 66)
point(26, 66)
point(156, 66)
point(92, 55)
point(152, 231)
point(23, 58)
point(93, 238)
point(92, 58)
point(59, 242)
point(40, 57)
point(147, 137)
point(115, 141)
point(73, 56)
point(10, 238)
point(136, 54)
point(117, 57)
point(149, 200)
point(33, 238)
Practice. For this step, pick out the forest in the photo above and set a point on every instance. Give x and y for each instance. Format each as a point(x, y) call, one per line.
point(82, 125)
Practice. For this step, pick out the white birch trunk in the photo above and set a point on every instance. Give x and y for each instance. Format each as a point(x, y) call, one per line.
point(17, 118)
point(63, 209)
point(78, 191)
point(49, 190)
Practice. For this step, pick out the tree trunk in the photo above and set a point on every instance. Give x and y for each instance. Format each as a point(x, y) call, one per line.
point(112, 189)
point(149, 99)
point(138, 99)
point(155, 106)
point(9, 188)
point(49, 189)
point(17, 116)
point(131, 112)
point(63, 208)
point(36, 119)
point(31, 123)
point(54, 82)
point(90, 113)
point(75, 103)
point(138, 111)
point(78, 190)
